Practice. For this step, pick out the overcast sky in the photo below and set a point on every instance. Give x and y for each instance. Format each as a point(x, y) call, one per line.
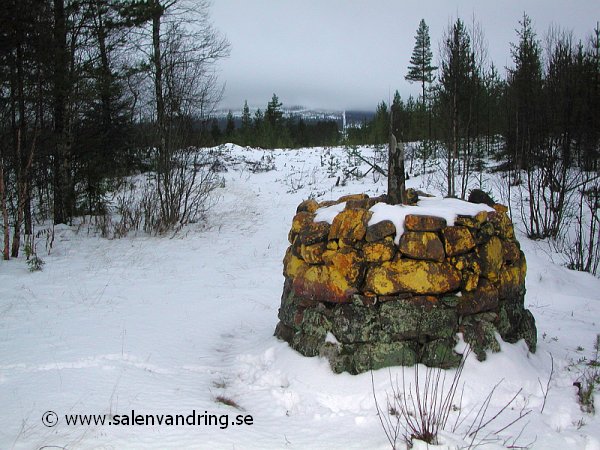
point(351, 54)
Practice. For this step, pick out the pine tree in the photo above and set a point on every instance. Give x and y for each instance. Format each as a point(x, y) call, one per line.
point(420, 69)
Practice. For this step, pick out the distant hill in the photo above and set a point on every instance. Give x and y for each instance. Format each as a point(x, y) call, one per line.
point(353, 118)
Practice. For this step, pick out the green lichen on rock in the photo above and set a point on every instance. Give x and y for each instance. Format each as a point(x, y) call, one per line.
point(373, 356)
point(403, 320)
point(440, 353)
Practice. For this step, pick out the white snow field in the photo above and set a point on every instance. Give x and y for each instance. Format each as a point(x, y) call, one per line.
point(175, 325)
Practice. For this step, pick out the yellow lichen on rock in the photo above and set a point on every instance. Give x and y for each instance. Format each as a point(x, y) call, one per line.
point(457, 240)
point(380, 251)
point(418, 277)
point(346, 198)
point(346, 262)
point(414, 222)
point(350, 224)
point(422, 245)
point(470, 280)
point(323, 283)
point(292, 265)
point(332, 245)
point(310, 205)
point(491, 258)
point(502, 224)
point(512, 279)
point(300, 221)
point(313, 254)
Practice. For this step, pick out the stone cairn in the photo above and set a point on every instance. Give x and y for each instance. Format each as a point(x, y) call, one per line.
point(355, 297)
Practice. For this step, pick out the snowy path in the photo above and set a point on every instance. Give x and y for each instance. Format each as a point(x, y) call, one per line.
point(165, 326)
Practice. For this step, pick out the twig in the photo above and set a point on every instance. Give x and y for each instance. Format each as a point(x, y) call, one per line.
point(545, 392)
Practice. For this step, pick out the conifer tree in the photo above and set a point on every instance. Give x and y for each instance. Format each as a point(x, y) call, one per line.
point(455, 93)
point(420, 69)
point(525, 90)
point(230, 125)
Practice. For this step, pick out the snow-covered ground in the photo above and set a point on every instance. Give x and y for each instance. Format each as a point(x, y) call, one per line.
point(168, 326)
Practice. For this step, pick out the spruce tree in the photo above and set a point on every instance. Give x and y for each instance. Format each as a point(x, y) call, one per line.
point(420, 69)
point(455, 93)
point(525, 93)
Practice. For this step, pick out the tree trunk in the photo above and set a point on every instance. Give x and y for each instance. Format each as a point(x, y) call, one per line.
point(6, 226)
point(22, 196)
point(63, 197)
point(396, 174)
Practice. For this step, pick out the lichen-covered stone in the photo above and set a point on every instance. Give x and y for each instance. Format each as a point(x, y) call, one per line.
point(350, 224)
point(355, 203)
point(483, 298)
point(379, 251)
point(301, 220)
point(404, 320)
point(315, 321)
point(310, 205)
point(328, 203)
point(413, 222)
point(313, 232)
point(307, 344)
point(480, 333)
point(292, 265)
point(491, 258)
point(323, 284)
point(406, 275)
point(284, 332)
point(347, 262)
point(380, 230)
point(440, 353)
point(422, 245)
point(350, 197)
point(313, 254)
point(373, 356)
point(484, 233)
point(473, 222)
point(528, 331)
point(510, 252)
point(332, 245)
point(353, 323)
point(511, 281)
point(470, 280)
point(457, 240)
point(502, 224)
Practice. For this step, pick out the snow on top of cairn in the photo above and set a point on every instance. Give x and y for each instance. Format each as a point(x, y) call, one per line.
point(328, 213)
point(446, 208)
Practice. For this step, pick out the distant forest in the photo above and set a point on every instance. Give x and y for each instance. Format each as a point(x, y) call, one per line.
point(92, 91)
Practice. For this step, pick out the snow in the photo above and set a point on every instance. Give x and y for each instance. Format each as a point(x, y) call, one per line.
point(446, 208)
point(328, 213)
point(175, 324)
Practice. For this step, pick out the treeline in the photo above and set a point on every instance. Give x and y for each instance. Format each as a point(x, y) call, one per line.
point(270, 129)
point(544, 109)
point(93, 89)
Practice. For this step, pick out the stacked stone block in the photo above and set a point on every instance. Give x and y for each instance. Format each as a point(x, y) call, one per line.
point(355, 297)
